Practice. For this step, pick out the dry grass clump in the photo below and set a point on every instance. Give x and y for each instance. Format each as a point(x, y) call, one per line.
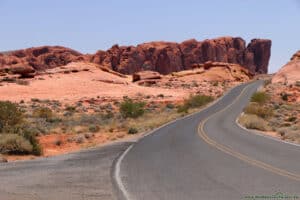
point(259, 110)
point(14, 144)
point(260, 97)
point(194, 101)
point(254, 122)
point(16, 136)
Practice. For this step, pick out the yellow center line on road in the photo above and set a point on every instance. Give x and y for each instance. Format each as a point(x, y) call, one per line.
point(238, 155)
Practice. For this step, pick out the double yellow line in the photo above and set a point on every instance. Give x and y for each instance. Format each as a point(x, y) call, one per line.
point(238, 155)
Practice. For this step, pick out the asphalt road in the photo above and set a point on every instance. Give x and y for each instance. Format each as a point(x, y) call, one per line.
point(208, 156)
point(84, 175)
point(203, 156)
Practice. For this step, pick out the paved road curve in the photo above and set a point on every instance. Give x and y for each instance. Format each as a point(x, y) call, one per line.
point(214, 159)
point(83, 175)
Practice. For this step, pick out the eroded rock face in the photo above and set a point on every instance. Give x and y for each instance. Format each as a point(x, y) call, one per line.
point(290, 73)
point(167, 57)
point(39, 58)
point(257, 55)
point(145, 75)
point(163, 57)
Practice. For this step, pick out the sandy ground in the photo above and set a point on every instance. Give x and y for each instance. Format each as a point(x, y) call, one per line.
point(76, 86)
point(82, 81)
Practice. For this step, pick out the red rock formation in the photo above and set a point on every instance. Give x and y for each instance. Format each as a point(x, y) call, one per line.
point(145, 75)
point(163, 57)
point(289, 74)
point(40, 58)
point(257, 55)
point(166, 57)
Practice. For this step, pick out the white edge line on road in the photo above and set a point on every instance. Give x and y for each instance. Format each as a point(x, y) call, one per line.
point(252, 131)
point(117, 171)
point(117, 168)
point(118, 176)
point(256, 132)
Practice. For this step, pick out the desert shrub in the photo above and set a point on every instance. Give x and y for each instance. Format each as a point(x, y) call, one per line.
point(267, 82)
point(30, 135)
point(70, 108)
point(54, 120)
point(194, 102)
point(170, 106)
point(79, 139)
point(88, 120)
point(198, 101)
point(284, 96)
point(215, 84)
point(94, 128)
point(253, 122)
point(292, 119)
point(108, 115)
point(43, 112)
point(14, 144)
point(183, 108)
point(10, 115)
point(256, 109)
point(58, 142)
point(260, 97)
point(22, 82)
point(131, 109)
point(132, 130)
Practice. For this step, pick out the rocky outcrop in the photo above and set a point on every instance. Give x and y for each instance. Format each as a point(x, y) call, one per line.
point(290, 73)
point(38, 58)
point(163, 57)
point(167, 57)
point(145, 75)
point(257, 55)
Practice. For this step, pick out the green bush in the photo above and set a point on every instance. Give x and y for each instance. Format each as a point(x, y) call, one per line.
point(183, 108)
point(194, 102)
point(260, 97)
point(131, 109)
point(170, 106)
point(256, 109)
point(94, 128)
point(31, 137)
point(14, 144)
point(70, 108)
point(132, 130)
point(43, 112)
point(10, 115)
point(198, 101)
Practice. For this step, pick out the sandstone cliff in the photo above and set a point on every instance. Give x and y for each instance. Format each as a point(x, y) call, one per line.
point(163, 57)
point(289, 73)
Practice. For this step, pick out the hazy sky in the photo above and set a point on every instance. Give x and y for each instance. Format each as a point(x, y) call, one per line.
point(89, 25)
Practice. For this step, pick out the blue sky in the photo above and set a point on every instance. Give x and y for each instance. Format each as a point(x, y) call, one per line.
point(97, 24)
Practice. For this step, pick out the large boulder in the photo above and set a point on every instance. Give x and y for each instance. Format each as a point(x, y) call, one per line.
point(145, 75)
